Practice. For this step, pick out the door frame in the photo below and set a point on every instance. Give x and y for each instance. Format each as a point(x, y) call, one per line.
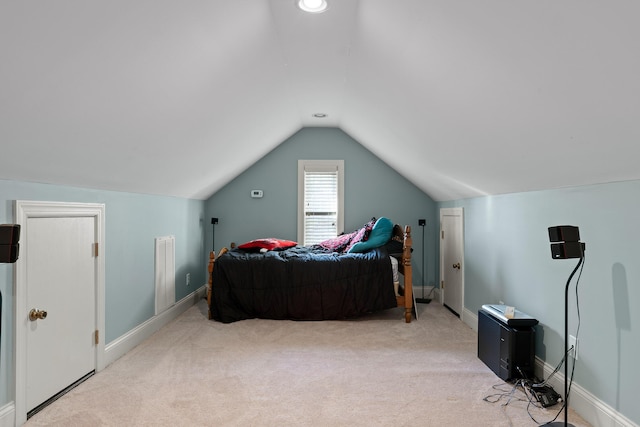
point(25, 209)
point(459, 212)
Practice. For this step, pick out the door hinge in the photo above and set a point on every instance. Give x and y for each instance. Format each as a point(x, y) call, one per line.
point(97, 337)
point(442, 284)
point(95, 249)
point(442, 234)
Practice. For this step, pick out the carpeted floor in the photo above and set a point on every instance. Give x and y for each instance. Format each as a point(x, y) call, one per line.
point(372, 371)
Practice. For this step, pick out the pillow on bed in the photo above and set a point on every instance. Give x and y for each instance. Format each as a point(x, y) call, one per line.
point(269, 244)
point(362, 234)
point(343, 242)
point(380, 234)
point(338, 244)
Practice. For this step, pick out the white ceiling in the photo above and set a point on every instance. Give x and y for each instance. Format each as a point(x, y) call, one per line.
point(464, 97)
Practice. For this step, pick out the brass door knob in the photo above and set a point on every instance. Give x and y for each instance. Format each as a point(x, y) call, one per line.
point(456, 265)
point(36, 314)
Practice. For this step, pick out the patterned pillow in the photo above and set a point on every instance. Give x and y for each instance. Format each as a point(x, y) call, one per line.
point(343, 242)
point(338, 244)
point(362, 235)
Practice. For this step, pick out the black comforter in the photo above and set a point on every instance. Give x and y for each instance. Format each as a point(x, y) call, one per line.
point(301, 283)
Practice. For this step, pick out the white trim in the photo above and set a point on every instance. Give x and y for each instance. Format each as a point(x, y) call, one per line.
point(470, 319)
point(588, 406)
point(35, 209)
point(7, 415)
point(120, 346)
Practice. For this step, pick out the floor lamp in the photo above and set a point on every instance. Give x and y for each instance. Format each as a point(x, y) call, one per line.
point(565, 244)
point(423, 300)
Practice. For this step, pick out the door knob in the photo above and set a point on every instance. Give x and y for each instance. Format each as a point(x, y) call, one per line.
point(456, 265)
point(36, 314)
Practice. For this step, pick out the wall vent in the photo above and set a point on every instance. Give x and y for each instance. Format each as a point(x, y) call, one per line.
point(165, 273)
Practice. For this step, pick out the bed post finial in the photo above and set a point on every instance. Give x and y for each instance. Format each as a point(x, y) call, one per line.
point(408, 278)
point(212, 261)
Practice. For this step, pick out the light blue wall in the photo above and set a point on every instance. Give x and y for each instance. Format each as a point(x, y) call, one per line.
point(372, 188)
point(507, 258)
point(132, 222)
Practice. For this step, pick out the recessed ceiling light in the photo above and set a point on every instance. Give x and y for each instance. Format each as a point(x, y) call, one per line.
point(312, 6)
point(319, 115)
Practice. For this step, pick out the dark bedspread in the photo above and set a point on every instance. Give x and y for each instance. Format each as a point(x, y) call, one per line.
point(301, 283)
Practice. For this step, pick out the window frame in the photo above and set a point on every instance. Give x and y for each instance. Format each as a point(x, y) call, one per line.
point(328, 165)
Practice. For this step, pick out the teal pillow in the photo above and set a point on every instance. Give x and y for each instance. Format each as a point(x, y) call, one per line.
point(380, 234)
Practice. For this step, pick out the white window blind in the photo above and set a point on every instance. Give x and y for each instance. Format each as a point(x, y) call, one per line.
point(320, 207)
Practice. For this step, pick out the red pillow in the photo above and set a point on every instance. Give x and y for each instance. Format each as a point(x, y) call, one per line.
point(268, 244)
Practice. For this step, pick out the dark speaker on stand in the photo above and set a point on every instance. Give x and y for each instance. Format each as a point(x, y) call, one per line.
point(9, 246)
point(9, 251)
point(566, 244)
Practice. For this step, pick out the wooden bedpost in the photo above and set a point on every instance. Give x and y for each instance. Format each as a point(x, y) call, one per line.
point(212, 261)
point(408, 285)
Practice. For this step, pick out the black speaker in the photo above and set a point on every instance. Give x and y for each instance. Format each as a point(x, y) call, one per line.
point(9, 238)
point(566, 250)
point(564, 233)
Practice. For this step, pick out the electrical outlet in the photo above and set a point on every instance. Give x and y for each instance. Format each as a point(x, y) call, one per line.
point(188, 279)
point(573, 346)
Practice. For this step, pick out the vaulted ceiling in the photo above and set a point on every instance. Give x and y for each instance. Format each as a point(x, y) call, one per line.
point(466, 97)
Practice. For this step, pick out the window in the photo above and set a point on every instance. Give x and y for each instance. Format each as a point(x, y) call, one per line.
point(320, 200)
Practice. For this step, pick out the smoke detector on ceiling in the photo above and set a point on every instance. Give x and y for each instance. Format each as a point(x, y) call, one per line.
point(312, 6)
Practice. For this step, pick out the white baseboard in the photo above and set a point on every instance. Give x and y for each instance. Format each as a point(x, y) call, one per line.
point(127, 342)
point(588, 406)
point(427, 291)
point(470, 319)
point(8, 415)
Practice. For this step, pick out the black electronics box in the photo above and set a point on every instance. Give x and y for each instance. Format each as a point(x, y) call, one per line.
point(507, 349)
point(546, 395)
point(9, 238)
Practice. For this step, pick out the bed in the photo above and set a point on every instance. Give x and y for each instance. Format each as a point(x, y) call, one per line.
point(311, 282)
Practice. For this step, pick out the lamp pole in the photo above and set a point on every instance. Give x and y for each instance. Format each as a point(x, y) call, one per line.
point(423, 300)
point(214, 221)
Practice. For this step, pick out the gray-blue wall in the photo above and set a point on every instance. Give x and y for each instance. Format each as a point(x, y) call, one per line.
point(372, 188)
point(132, 221)
point(507, 258)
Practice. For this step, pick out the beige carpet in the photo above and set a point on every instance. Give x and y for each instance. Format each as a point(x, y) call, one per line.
point(373, 371)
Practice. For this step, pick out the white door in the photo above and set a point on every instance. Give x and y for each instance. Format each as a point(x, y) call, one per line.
point(59, 273)
point(451, 258)
point(61, 282)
